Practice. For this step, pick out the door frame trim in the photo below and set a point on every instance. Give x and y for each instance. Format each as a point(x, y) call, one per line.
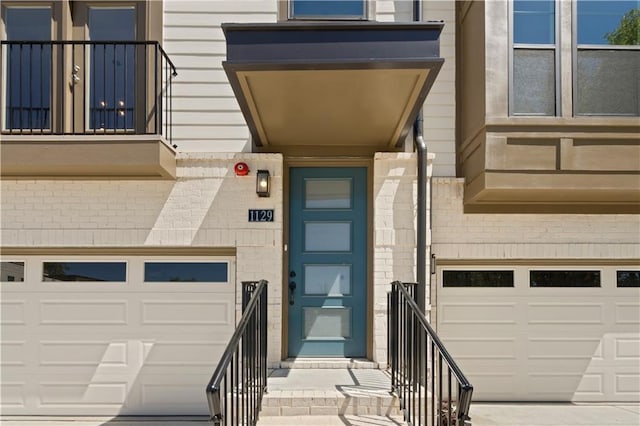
point(288, 163)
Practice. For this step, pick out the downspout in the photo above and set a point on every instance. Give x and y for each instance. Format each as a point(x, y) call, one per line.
point(421, 149)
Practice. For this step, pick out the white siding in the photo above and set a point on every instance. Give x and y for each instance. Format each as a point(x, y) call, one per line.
point(440, 106)
point(206, 115)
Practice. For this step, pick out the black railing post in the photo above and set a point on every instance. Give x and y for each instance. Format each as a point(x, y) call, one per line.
point(243, 364)
point(414, 347)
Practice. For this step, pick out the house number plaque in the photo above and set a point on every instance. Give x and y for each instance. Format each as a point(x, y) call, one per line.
point(262, 215)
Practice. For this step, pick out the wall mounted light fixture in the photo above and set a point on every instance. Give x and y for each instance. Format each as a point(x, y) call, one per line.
point(262, 183)
point(432, 264)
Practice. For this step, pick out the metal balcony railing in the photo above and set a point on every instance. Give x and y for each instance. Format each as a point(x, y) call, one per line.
point(235, 390)
point(432, 389)
point(86, 87)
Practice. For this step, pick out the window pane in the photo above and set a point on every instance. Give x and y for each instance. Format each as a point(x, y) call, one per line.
point(194, 272)
point(112, 79)
point(11, 271)
point(608, 82)
point(628, 278)
point(477, 278)
point(534, 22)
point(534, 90)
point(84, 271)
point(353, 9)
point(564, 278)
point(28, 97)
point(334, 280)
point(327, 323)
point(327, 194)
point(327, 236)
point(608, 22)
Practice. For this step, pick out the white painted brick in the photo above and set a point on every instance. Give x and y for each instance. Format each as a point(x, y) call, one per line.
point(526, 236)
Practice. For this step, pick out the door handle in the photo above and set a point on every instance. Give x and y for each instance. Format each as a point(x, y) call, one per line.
point(292, 289)
point(75, 78)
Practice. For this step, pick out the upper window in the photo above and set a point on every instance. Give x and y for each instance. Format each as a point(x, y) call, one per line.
point(28, 68)
point(323, 9)
point(607, 53)
point(534, 59)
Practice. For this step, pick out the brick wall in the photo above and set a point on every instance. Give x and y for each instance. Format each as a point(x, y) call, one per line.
point(394, 235)
point(527, 236)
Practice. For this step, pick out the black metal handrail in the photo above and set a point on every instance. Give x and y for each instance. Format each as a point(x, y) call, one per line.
point(417, 358)
point(81, 87)
point(235, 390)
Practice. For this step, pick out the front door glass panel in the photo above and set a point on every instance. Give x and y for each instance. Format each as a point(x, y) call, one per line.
point(325, 280)
point(327, 323)
point(327, 194)
point(327, 236)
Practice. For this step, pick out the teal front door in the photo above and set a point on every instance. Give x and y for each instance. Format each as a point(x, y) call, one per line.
point(327, 262)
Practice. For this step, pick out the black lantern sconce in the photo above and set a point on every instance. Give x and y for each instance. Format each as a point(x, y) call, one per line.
point(262, 183)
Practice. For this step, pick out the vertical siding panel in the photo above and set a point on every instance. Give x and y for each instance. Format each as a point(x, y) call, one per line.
point(206, 115)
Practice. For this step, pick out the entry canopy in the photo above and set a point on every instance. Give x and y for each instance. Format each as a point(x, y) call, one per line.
point(346, 86)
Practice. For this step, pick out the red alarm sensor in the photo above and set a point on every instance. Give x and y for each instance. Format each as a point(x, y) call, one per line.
point(241, 169)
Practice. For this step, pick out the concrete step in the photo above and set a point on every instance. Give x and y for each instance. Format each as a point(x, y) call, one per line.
point(344, 420)
point(329, 392)
point(328, 363)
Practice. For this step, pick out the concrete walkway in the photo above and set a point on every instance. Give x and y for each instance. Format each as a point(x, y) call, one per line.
point(482, 414)
point(559, 414)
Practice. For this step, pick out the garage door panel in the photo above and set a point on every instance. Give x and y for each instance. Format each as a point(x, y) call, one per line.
point(565, 313)
point(554, 343)
point(93, 348)
point(12, 352)
point(83, 312)
point(82, 393)
point(552, 386)
point(484, 348)
point(187, 312)
point(12, 312)
point(493, 386)
point(564, 348)
point(627, 313)
point(592, 386)
point(179, 353)
point(13, 393)
point(83, 353)
point(160, 395)
point(627, 383)
point(627, 348)
point(483, 313)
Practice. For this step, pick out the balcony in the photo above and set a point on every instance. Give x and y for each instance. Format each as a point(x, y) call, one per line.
point(86, 109)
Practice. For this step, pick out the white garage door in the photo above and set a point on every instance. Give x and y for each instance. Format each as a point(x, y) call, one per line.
point(543, 333)
point(112, 335)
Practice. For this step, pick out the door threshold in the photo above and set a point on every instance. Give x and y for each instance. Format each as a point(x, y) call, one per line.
point(328, 363)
